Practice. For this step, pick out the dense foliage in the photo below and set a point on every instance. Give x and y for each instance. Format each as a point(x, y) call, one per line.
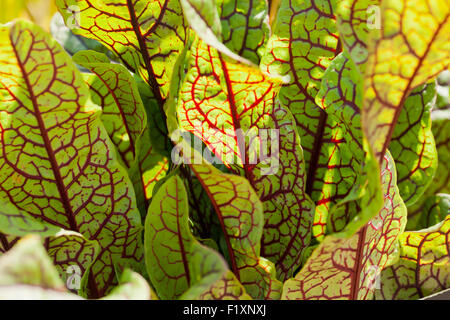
point(190, 149)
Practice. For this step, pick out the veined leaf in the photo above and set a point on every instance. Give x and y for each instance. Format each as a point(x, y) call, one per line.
point(15, 222)
point(443, 90)
point(55, 150)
point(358, 200)
point(303, 43)
point(70, 251)
point(146, 35)
point(433, 210)
point(241, 216)
point(29, 264)
point(7, 242)
point(226, 288)
point(347, 268)
point(113, 88)
point(132, 287)
point(222, 102)
point(201, 211)
point(412, 47)
point(423, 267)
point(178, 265)
point(302, 46)
point(153, 145)
point(245, 28)
point(354, 18)
point(203, 18)
point(441, 181)
point(72, 255)
point(413, 146)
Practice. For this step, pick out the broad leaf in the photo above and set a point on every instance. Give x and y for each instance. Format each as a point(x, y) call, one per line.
point(302, 46)
point(424, 265)
point(413, 146)
point(340, 162)
point(240, 213)
point(177, 263)
point(203, 18)
point(411, 47)
point(146, 35)
point(227, 288)
point(222, 102)
point(355, 20)
point(113, 88)
point(16, 222)
point(56, 151)
point(347, 268)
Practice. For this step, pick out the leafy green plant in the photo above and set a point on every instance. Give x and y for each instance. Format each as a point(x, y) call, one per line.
point(188, 149)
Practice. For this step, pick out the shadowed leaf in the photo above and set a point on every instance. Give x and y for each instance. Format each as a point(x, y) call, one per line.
point(55, 148)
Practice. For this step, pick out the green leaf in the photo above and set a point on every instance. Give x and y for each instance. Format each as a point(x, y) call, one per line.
point(240, 213)
point(410, 48)
point(177, 263)
point(204, 219)
point(347, 268)
point(443, 90)
point(440, 183)
point(71, 42)
point(338, 177)
point(147, 36)
point(245, 28)
point(57, 152)
point(17, 222)
point(227, 288)
point(203, 18)
point(153, 146)
point(221, 102)
point(26, 272)
point(413, 146)
point(125, 119)
point(112, 87)
point(423, 267)
point(132, 287)
point(28, 264)
point(303, 44)
point(354, 17)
